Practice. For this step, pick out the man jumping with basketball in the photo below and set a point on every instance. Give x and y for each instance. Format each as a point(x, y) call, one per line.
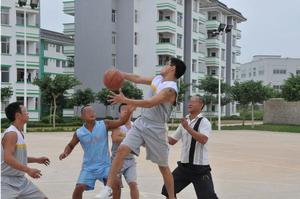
point(150, 128)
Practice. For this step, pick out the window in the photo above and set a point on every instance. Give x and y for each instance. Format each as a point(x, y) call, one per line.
point(4, 104)
point(194, 65)
point(162, 60)
point(279, 71)
point(114, 60)
point(20, 47)
point(254, 72)
point(195, 6)
point(243, 75)
point(4, 74)
point(261, 72)
point(135, 38)
point(113, 38)
point(135, 60)
point(46, 61)
point(57, 63)
point(194, 84)
point(58, 48)
point(233, 58)
point(179, 2)
point(213, 54)
point(234, 41)
point(46, 45)
point(114, 16)
point(20, 75)
point(194, 45)
point(201, 67)
point(4, 45)
point(4, 16)
point(223, 55)
point(179, 41)
point(195, 22)
point(20, 18)
point(63, 64)
point(297, 72)
point(223, 72)
point(135, 16)
point(179, 19)
point(223, 38)
point(233, 74)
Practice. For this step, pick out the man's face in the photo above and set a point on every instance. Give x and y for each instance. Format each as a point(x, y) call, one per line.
point(167, 68)
point(24, 115)
point(88, 114)
point(123, 110)
point(194, 104)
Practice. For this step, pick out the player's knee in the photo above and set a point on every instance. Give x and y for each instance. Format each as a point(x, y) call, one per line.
point(80, 188)
point(133, 186)
point(123, 151)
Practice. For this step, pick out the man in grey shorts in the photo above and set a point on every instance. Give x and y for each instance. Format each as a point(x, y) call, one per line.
point(14, 158)
point(150, 128)
point(129, 166)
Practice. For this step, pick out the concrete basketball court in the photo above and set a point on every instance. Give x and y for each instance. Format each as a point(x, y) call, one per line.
point(245, 165)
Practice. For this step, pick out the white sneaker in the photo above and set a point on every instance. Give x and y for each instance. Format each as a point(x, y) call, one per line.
point(105, 193)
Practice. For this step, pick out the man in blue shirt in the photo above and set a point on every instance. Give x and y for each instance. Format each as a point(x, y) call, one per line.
point(93, 138)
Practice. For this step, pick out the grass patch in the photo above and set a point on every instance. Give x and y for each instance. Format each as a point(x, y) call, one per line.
point(265, 127)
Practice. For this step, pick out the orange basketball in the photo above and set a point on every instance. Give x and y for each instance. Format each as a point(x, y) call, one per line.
point(113, 79)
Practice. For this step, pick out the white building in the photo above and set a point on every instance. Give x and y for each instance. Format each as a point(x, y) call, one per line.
point(47, 52)
point(141, 36)
point(272, 70)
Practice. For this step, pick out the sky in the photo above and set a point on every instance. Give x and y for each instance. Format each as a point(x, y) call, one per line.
point(272, 27)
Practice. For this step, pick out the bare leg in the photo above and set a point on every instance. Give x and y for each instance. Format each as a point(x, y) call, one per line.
point(168, 180)
point(117, 190)
point(134, 191)
point(78, 191)
point(117, 164)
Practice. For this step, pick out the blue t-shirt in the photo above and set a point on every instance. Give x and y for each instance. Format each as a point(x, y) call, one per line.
point(95, 146)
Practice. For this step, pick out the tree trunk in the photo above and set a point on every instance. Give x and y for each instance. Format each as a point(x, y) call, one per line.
point(50, 113)
point(54, 111)
point(252, 114)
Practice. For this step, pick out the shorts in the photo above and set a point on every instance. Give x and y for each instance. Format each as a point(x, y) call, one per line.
point(89, 178)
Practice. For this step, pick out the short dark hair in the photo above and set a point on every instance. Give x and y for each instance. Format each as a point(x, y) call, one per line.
point(180, 67)
point(82, 108)
point(12, 109)
point(201, 100)
point(123, 104)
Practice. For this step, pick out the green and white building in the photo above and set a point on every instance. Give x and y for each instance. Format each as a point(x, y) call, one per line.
point(141, 36)
point(43, 47)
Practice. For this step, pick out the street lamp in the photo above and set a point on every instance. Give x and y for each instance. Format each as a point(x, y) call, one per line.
point(223, 29)
point(33, 5)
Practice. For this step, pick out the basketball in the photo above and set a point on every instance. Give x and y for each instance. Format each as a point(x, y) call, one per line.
point(113, 79)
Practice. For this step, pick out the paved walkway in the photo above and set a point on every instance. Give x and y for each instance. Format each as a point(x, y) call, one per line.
point(245, 165)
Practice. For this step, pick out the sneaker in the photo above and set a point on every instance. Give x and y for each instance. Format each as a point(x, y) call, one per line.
point(105, 193)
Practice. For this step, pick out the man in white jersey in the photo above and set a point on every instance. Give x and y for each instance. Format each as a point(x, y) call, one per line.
point(14, 158)
point(129, 166)
point(193, 167)
point(150, 128)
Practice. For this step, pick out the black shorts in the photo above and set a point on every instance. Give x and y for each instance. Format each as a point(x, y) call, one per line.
point(199, 176)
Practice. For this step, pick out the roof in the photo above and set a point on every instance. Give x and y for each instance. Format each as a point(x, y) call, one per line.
point(56, 36)
point(229, 11)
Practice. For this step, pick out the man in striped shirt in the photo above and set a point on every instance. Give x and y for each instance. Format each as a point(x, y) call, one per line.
point(193, 166)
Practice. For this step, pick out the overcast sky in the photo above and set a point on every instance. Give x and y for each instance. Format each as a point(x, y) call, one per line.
point(273, 27)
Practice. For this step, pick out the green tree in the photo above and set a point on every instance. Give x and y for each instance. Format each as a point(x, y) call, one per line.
point(6, 92)
point(210, 85)
point(83, 97)
point(56, 87)
point(250, 92)
point(182, 91)
point(291, 88)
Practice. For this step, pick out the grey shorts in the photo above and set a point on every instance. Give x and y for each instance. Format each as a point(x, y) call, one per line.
point(21, 189)
point(153, 136)
point(129, 171)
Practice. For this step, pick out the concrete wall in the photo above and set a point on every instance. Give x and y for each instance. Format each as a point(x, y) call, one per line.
point(278, 111)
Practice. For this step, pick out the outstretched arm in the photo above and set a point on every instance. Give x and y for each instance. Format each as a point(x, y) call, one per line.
point(164, 96)
point(69, 148)
point(137, 78)
point(113, 124)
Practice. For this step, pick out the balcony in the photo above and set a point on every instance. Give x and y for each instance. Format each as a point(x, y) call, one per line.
point(236, 49)
point(69, 29)
point(166, 25)
point(68, 70)
point(166, 49)
point(202, 37)
point(69, 7)
point(167, 5)
point(212, 24)
point(202, 17)
point(69, 50)
point(212, 61)
point(31, 59)
point(213, 43)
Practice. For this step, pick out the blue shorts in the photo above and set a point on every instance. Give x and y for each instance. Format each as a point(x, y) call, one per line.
point(89, 178)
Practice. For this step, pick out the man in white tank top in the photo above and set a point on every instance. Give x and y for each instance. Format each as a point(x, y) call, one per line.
point(150, 128)
point(14, 158)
